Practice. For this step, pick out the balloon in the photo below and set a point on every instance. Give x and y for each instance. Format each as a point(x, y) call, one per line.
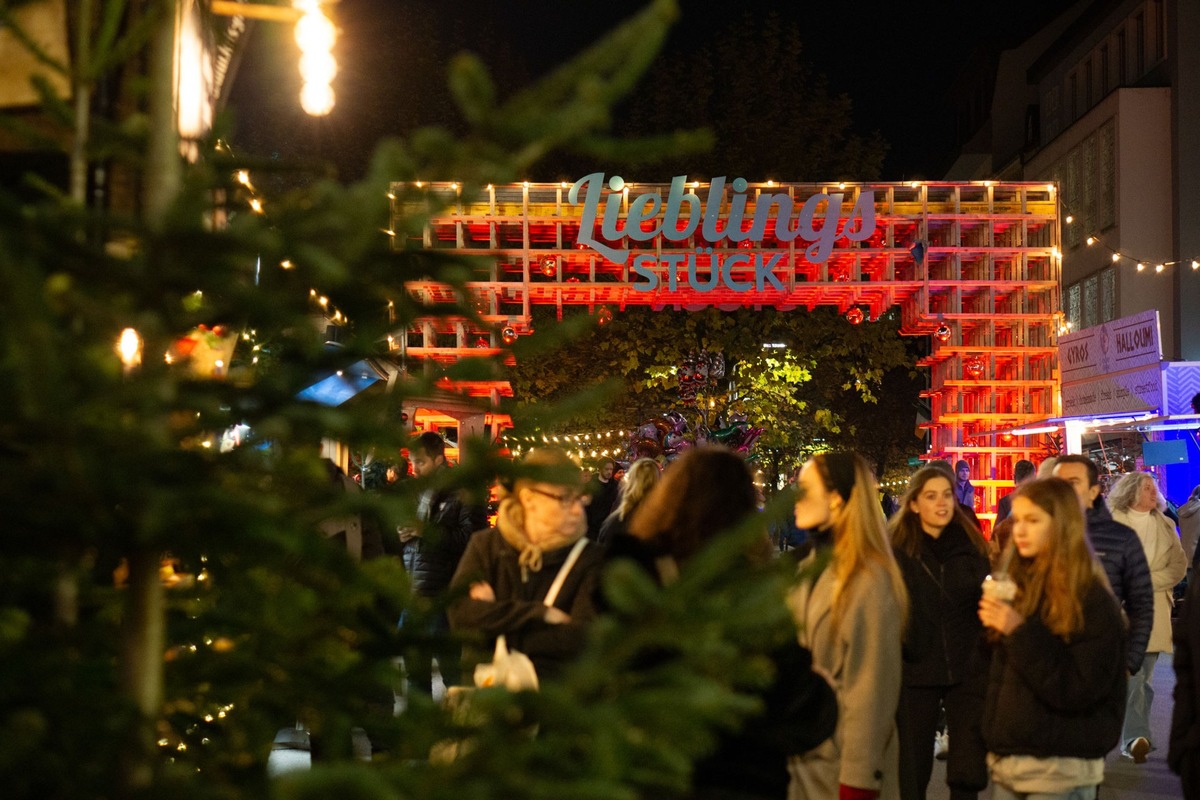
point(749, 439)
point(734, 431)
point(647, 448)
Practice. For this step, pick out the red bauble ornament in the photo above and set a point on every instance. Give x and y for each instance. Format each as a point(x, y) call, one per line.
point(943, 333)
point(854, 316)
point(974, 368)
point(184, 346)
point(482, 342)
point(549, 266)
point(509, 334)
point(604, 315)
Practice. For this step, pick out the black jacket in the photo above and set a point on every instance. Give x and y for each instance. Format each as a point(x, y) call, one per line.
point(604, 500)
point(1183, 756)
point(1048, 697)
point(518, 611)
point(431, 558)
point(1124, 560)
point(944, 586)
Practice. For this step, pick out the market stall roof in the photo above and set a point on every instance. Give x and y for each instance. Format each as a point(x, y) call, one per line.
point(343, 384)
point(1109, 423)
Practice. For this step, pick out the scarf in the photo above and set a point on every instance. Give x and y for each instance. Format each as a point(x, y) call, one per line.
point(510, 521)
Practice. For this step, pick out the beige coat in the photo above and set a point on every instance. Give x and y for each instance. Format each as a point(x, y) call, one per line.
point(861, 657)
point(1168, 565)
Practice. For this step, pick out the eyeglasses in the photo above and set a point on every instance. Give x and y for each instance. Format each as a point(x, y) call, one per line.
point(564, 500)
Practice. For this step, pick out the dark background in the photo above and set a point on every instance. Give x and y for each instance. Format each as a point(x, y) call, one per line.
point(896, 61)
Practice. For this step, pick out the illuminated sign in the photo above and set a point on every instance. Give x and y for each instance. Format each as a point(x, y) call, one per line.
point(818, 223)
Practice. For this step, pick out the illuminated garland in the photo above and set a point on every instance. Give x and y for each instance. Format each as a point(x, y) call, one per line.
point(1118, 256)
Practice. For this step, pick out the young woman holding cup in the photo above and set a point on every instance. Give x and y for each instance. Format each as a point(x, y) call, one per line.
point(1056, 689)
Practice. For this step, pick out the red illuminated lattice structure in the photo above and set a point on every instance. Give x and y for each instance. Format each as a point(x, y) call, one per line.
point(980, 259)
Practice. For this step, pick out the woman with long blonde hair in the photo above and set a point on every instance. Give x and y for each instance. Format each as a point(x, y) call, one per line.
point(850, 604)
point(1056, 689)
point(636, 483)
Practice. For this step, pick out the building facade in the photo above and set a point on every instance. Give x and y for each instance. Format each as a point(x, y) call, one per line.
point(1105, 100)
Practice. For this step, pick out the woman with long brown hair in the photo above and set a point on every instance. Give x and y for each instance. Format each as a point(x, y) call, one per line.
point(707, 493)
point(1056, 688)
point(944, 560)
point(850, 605)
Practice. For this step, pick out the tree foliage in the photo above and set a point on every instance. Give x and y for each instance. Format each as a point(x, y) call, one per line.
point(113, 684)
point(822, 388)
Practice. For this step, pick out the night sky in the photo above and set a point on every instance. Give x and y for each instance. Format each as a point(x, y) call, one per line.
point(896, 61)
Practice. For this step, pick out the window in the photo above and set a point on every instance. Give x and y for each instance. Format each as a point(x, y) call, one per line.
point(1106, 210)
point(1139, 46)
point(1103, 69)
point(1073, 306)
point(1160, 31)
point(1122, 59)
point(1091, 301)
point(1108, 294)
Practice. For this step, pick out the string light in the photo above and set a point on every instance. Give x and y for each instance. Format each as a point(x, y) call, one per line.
point(1118, 256)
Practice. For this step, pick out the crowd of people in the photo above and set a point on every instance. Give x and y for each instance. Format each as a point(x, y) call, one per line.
point(1024, 657)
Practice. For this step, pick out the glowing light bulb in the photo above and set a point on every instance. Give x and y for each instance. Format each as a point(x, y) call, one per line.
point(129, 348)
point(316, 99)
point(318, 66)
point(314, 31)
point(1116, 257)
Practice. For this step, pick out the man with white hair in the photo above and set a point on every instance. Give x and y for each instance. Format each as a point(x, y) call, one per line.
point(1136, 501)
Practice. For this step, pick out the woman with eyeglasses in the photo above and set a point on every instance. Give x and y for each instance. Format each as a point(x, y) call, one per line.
point(532, 577)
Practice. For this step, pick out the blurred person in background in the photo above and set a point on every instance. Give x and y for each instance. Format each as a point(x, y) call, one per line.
point(1136, 501)
point(1023, 471)
point(602, 491)
point(431, 552)
point(509, 570)
point(708, 492)
point(1120, 552)
point(636, 483)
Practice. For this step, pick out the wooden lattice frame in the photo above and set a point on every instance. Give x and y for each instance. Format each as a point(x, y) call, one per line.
point(980, 258)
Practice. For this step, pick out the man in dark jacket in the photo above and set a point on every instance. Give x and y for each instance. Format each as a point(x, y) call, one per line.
point(1023, 470)
point(603, 491)
point(431, 554)
point(1119, 550)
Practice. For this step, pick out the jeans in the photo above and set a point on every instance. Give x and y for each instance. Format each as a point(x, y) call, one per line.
point(1139, 696)
point(1002, 792)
